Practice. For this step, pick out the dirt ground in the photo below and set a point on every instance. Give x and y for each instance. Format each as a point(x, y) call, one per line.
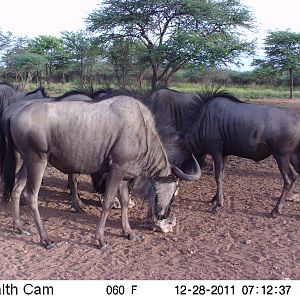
point(242, 242)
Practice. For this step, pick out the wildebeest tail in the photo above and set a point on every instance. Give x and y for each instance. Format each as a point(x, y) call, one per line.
point(9, 163)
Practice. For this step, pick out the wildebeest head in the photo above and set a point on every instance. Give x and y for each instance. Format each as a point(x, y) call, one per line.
point(166, 188)
point(165, 191)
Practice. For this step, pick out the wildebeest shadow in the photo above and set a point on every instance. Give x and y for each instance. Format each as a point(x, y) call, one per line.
point(56, 189)
point(71, 223)
point(64, 196)
point(231, 208)
point(263, 214)
point(62, 183)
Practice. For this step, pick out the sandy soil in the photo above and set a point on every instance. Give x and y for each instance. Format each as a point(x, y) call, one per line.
point(240, 243)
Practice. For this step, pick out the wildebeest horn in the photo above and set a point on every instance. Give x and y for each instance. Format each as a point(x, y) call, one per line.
point(185, 176)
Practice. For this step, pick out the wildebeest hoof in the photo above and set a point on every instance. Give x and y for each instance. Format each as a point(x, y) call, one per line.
point(216, 209)
point(49, 244)
point(22, 231)
point(138, 238)
point(135, 237)
point(78, 208)
point(274, 213)
point(105, 247)
point(25, 232)
point(82, 205)
point(213, 200)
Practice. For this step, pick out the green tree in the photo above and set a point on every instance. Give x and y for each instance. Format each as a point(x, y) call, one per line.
point(176, 32)
point(25, 65)
point(52, 49)
point(6, 38)
point(9, 45)
point(122, 55)
point(282, 53)
point(83, 49)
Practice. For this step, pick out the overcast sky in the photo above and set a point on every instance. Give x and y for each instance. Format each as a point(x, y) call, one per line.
point(44, 17)
point(50, 17)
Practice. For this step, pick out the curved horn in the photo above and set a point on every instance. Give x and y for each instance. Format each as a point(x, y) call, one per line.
point(185, 176)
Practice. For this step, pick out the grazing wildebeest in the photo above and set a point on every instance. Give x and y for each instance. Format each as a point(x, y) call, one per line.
point(116, 135)
point(170, 110)
point(227, 126)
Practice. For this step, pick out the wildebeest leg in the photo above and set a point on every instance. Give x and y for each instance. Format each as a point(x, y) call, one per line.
point(20, 182)
point(19, 164)
point(76, 204)
point(19, 161)
point(113, 181)
point(124, 200)
point(150, 217)
point(36, 165)
point(288, 180)
point(295, 161)
point(219, 162)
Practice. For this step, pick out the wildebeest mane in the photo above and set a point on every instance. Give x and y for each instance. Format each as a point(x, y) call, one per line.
point(110, 93)
point(170, 139)
point(208, 95)
point(205, 96)
point(67, 94)
point(144, 185)
point(100, 93)
point(39, 89)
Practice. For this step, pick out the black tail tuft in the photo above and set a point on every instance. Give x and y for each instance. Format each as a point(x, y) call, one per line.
point(9, 164)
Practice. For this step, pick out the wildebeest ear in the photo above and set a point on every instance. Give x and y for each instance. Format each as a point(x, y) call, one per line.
point(167, 179)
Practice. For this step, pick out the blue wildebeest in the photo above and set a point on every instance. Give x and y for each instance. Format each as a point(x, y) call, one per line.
point(227, 126)
point(170, 110)
point(173, 108)
point(176, 109)
point(20, 100)
point(116, 135)
point(6, 90)
point(9, 95)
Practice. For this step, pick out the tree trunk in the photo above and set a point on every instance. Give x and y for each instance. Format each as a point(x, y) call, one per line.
point(154, 79)
point(140, 79)
point(47, 74)
point(81, 73)
point(291, 83)
point(37, 78)
point(167, 79)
